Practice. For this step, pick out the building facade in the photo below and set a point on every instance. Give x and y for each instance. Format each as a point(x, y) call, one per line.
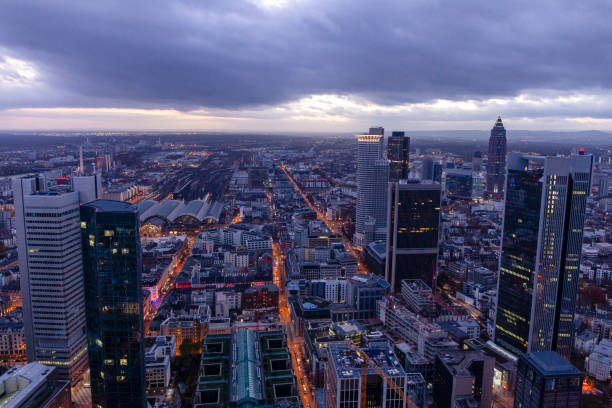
point(372, 178)
point(343, 385)
point(546, 380)
point(113, 293)
point(51, 270)
point(398, 154)
point(412, 236)
point(496, 160)
point(541, 248)
point(463, 379)
point(34, 385)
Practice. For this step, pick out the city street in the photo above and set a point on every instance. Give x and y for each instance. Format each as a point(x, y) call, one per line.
point(296, 344)
point(334, 226)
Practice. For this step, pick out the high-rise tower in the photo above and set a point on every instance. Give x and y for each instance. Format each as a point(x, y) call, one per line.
point(51, 269)
point(541, 247)
point(398, 150)
point(113, 297)
point(412, 233)
point(372, 179)
point(496, 160)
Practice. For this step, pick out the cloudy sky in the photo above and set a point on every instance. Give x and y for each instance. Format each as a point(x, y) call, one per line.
point(305, 65)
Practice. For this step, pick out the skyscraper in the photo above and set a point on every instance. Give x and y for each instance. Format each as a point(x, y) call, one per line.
point(113, 296)
point(51, 269)
point(372, 179)
point(496, 160)
point(398, 150)
point(412, 234)
point(541, 247)
point(427, 168)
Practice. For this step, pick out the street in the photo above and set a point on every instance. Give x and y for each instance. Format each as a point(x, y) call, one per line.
point(295, 344)
point(334, 226)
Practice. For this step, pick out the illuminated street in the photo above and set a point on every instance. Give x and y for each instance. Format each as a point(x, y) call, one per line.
point(168, 284)
point(334, 226)
point(296, 344)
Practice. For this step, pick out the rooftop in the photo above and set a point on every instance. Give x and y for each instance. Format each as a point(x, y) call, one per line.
point(348, 364)
point(550, 363)
point(111, 206)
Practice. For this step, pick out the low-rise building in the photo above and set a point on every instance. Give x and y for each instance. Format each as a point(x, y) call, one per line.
point(463, 379)
point(599, 363)
point(416, 294)
point(246, 368)
point(159, 350)
point(183, 328)
point(34, 385)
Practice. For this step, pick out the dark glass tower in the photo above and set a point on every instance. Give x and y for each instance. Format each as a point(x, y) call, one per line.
point(398, 151)
point(496, 161)
point(412, 240)
point(545, 379)
point(113, 303)
point(541, 248)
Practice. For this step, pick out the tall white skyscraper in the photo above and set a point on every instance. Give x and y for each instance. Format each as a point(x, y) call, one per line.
point(372, 179)
point(51, 269)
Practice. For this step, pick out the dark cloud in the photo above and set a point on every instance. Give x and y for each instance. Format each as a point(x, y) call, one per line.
point(232, 53)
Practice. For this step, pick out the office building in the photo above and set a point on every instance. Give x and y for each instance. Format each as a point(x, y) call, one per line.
point(547, 380)
point(477, 161)
point(343, 386)
point(113, 296)
point(362, 293)
point(34, 385)
point(412, 236)
point(463, 379)
point(496, 161)
point(246, 368)
point(428, 337)
point(51, 269)
point(541, 247)
point(417, 295)
point(427, 168)
point(372, 179)
point(398, 151)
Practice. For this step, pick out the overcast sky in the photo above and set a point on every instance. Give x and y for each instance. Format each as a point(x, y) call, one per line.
point(305, 65)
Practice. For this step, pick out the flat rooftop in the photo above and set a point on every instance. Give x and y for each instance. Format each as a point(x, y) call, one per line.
point(348, 364)
point(551, 363)
point(112, 206)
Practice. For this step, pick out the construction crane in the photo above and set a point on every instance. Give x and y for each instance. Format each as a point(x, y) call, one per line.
point(381, 374)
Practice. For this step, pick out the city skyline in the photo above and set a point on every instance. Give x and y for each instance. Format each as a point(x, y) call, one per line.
point(200, 207)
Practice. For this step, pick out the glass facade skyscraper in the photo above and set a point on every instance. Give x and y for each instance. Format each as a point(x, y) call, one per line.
point(398, 152)
point(412, 236)
point(496, 160)
point(541, 247)
point(113, 300)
